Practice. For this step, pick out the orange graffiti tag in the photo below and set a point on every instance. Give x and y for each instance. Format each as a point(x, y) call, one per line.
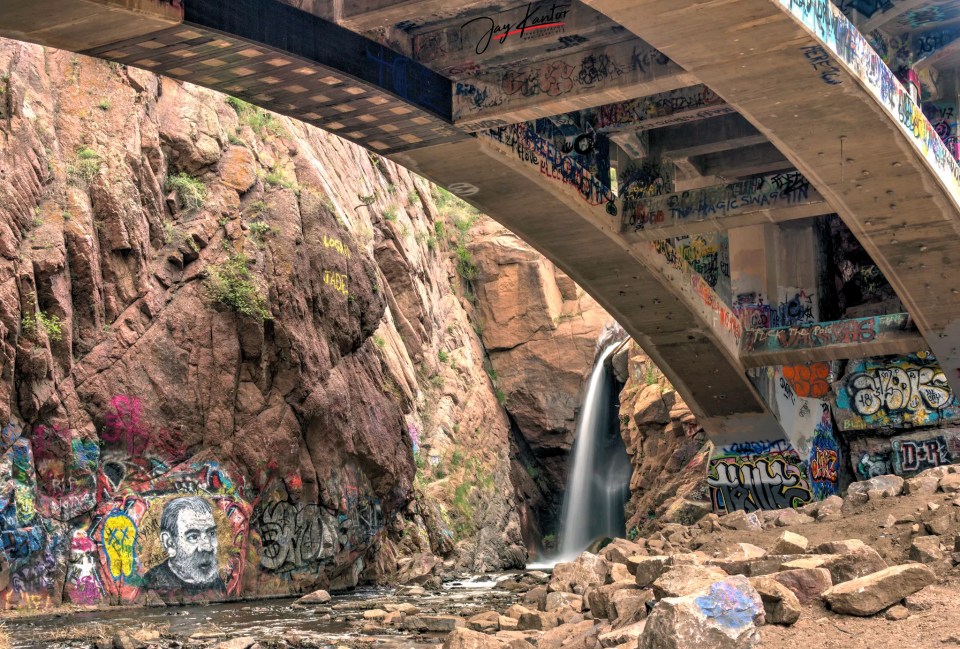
point(808, 380)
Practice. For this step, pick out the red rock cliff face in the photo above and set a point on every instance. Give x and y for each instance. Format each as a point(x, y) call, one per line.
point(220, 352)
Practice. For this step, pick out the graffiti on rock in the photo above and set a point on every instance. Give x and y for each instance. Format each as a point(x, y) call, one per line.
point(901, 392)
point(774, 479)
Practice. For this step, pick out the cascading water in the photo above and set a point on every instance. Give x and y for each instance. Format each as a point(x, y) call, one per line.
point(598, 484)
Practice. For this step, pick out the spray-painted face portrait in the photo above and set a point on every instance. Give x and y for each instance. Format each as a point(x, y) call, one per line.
point(188, 533)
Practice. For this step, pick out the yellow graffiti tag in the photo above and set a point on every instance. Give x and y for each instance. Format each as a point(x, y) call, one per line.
point(337, 280)
point(336, 244)
point(119, 539)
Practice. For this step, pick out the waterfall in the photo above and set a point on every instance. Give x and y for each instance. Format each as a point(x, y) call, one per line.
point(598, 484)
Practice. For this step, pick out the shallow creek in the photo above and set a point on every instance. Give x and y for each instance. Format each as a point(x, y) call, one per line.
point(273, 623)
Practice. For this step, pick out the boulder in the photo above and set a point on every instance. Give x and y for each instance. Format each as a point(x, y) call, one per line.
point(316, 597)
point(950, 483)
point(467, 639)
point(829, 508)
point(628, 606)
point(516, 611)
point(790, 543)
point(922, 484)
point(875, 592)
point(746, 551)
point(487, 622)
point(575, 577)
point(806, 583)
point(882, 486)
point(741, 520)
point(557, 600)
point(858, 562)
point(620, 550)
point(790, 516)
point(598, 599)
point(238, 168)
point(566, 635)
point(839, 547)
point(433, 623)
point(926, 549)
point(780, 605)
point(535, 598)
point(537, 621)
point(647, 569)
point(683, 580)
point(725, 615)
point(619, 572)
point(626, 636)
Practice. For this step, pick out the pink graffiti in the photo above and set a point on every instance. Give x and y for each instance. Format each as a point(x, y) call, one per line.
point(125, 426)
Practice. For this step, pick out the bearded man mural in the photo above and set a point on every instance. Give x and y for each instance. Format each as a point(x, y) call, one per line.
point(188, 532)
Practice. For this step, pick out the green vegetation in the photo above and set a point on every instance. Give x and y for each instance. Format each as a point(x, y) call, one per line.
point(461, 500)
point(368, 199)
point(230, 283)
point(413, 198)
point(278, 177)
point(379, 341)
point(260, 229)
point(235, 140)
point(86, 165)
point(550, 540)
point(259, 120)
point(532, 471)
point(501, 397)
point(456, 460)
point(390, 214)
point(443, 356)
point(440, 230)
point(465, 266)
point(650, 377)
point(50, 325)
point(191, 193)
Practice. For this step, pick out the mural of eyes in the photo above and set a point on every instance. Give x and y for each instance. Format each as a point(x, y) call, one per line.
point(119, 541)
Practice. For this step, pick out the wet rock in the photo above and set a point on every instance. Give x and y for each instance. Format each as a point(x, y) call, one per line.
point(741, 520)
point(487, 622)
point(124, 640)
point(535, 598)
point(683, 580)
point(790, 543)
point(724, 615)
point(516, 610)
point(780, 605)
point(926, 549)
point(587, 570)
point(647, 569)
point(433, 623)
point(467, 639)
point(806, 583)
point(872, 593)
point(316, 597)
point(245, 642)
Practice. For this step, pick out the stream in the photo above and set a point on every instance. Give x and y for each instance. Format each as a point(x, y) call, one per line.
point(273, 623)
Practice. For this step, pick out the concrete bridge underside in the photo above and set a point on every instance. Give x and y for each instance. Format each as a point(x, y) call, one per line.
point(726, 90)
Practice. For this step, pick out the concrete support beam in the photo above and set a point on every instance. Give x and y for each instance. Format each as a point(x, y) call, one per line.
point(828, 102)
point(521, 92)
point(660, 110)
point(77, 25)
point(827, 341)
point(472, 42)
point(366, 15)
point(748, 161)
point(712, 135)
point(768, 199)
